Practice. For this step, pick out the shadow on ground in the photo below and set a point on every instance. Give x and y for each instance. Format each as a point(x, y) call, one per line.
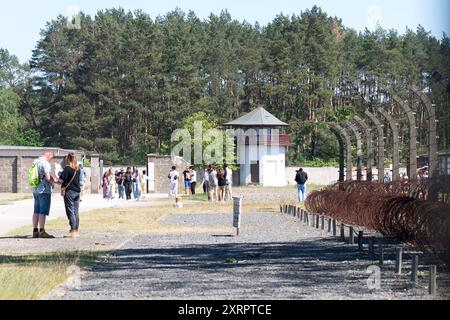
point(313, 269)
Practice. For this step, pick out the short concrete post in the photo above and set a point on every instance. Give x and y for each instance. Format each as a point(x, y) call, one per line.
point(414, 268)
point(432, 286)
point(371, 249)
point(360, 240)
point(351, 238)
point(95, 173)
point(398, 261)
point(342, 232)
point(317, 221)
point(329, 225)
point(301, 215)
point(281, 209)
point(381, 251)
point(323, 222)
point(334, 228)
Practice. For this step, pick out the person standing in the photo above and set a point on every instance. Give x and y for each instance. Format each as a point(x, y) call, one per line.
point(105, 186)
point(301, 178)
point(187, 181)
point(386, 177)
point(120, 183)
point(42, 196)
point(128, 180)
point(71, 190)
point(137, 185)
point(174, 177)
point(144, 181)
point(111, 184)
point(193, 180)
point(206, 182)
point(82, 179)
point(229, 182)
point(212, 184)
point(221, 183)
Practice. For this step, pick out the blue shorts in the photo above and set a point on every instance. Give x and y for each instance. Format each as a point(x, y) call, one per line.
point(187, 184)
point(42, 203)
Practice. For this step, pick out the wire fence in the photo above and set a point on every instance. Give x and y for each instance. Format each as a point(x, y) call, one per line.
point(417, 212)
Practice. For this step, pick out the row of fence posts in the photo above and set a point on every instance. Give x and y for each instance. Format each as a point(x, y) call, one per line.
point(318, 221)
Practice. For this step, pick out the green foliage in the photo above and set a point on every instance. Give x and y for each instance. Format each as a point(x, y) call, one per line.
point(28, 138)
point(11, 119)
point(122, 84)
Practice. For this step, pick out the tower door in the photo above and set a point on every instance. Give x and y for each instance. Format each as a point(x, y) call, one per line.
point(254, 169)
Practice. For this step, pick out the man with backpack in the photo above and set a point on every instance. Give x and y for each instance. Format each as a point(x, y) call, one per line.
point(301, 177)
point(43, 185)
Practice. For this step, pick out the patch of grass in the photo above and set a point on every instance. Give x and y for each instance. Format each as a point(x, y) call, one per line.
point(30, 277)
point(123, 221)
point(34, 276)
point(8, 198)
point(231, 260)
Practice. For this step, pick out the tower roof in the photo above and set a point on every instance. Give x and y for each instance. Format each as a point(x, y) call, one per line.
point(257, 117)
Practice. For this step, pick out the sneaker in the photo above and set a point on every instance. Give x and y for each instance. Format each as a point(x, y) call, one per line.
point(45, 235)
point(35, 234)
point(72, 234)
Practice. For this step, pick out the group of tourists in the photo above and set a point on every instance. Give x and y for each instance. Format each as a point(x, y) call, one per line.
point(217, 182)
point(128, 184)
point(71, 179)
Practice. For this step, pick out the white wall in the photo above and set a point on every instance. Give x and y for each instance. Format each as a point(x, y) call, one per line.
point(325, 175)
point(272, 169)
point(272, 164)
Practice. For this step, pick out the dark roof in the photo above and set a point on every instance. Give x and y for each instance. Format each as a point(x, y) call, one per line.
point(257, 117)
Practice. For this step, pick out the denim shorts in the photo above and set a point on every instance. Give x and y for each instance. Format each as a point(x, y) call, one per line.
point(42, 203)
point(187, 184)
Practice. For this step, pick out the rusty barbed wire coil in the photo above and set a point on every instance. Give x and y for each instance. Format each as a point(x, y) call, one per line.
point(415, 211)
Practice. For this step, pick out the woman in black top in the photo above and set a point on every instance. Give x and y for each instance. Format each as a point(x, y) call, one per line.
point(222, 182)
point(128, 182)
point(70, 180)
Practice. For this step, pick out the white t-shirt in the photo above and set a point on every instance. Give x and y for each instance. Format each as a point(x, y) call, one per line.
point(193, 176)
point(174, 176)
point(230, 176)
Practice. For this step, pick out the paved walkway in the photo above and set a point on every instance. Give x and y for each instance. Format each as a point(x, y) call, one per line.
point(19, 213)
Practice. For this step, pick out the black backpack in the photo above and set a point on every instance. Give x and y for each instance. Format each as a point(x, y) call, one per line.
point(301, 178)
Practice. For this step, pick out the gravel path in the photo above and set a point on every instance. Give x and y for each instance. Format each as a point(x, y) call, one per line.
point(275, 257)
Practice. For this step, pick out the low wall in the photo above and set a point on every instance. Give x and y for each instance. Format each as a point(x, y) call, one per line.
point(325, 175)
point(15, 162)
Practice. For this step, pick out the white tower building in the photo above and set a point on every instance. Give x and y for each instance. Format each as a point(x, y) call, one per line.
point(261, 148)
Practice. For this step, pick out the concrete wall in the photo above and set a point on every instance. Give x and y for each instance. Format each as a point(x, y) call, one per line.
point(324, 175)
point(162, 166)
point(15, 162)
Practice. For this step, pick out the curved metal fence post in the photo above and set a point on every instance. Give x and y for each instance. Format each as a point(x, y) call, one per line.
point(395, 157)
point(380, 144)
point(341, 154)
point(369, 146)
point(432, 140)
point(348, 142)
point(412, 167)
point(358, 149)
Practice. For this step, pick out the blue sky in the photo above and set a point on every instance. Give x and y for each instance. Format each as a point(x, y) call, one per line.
point(21, 21)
